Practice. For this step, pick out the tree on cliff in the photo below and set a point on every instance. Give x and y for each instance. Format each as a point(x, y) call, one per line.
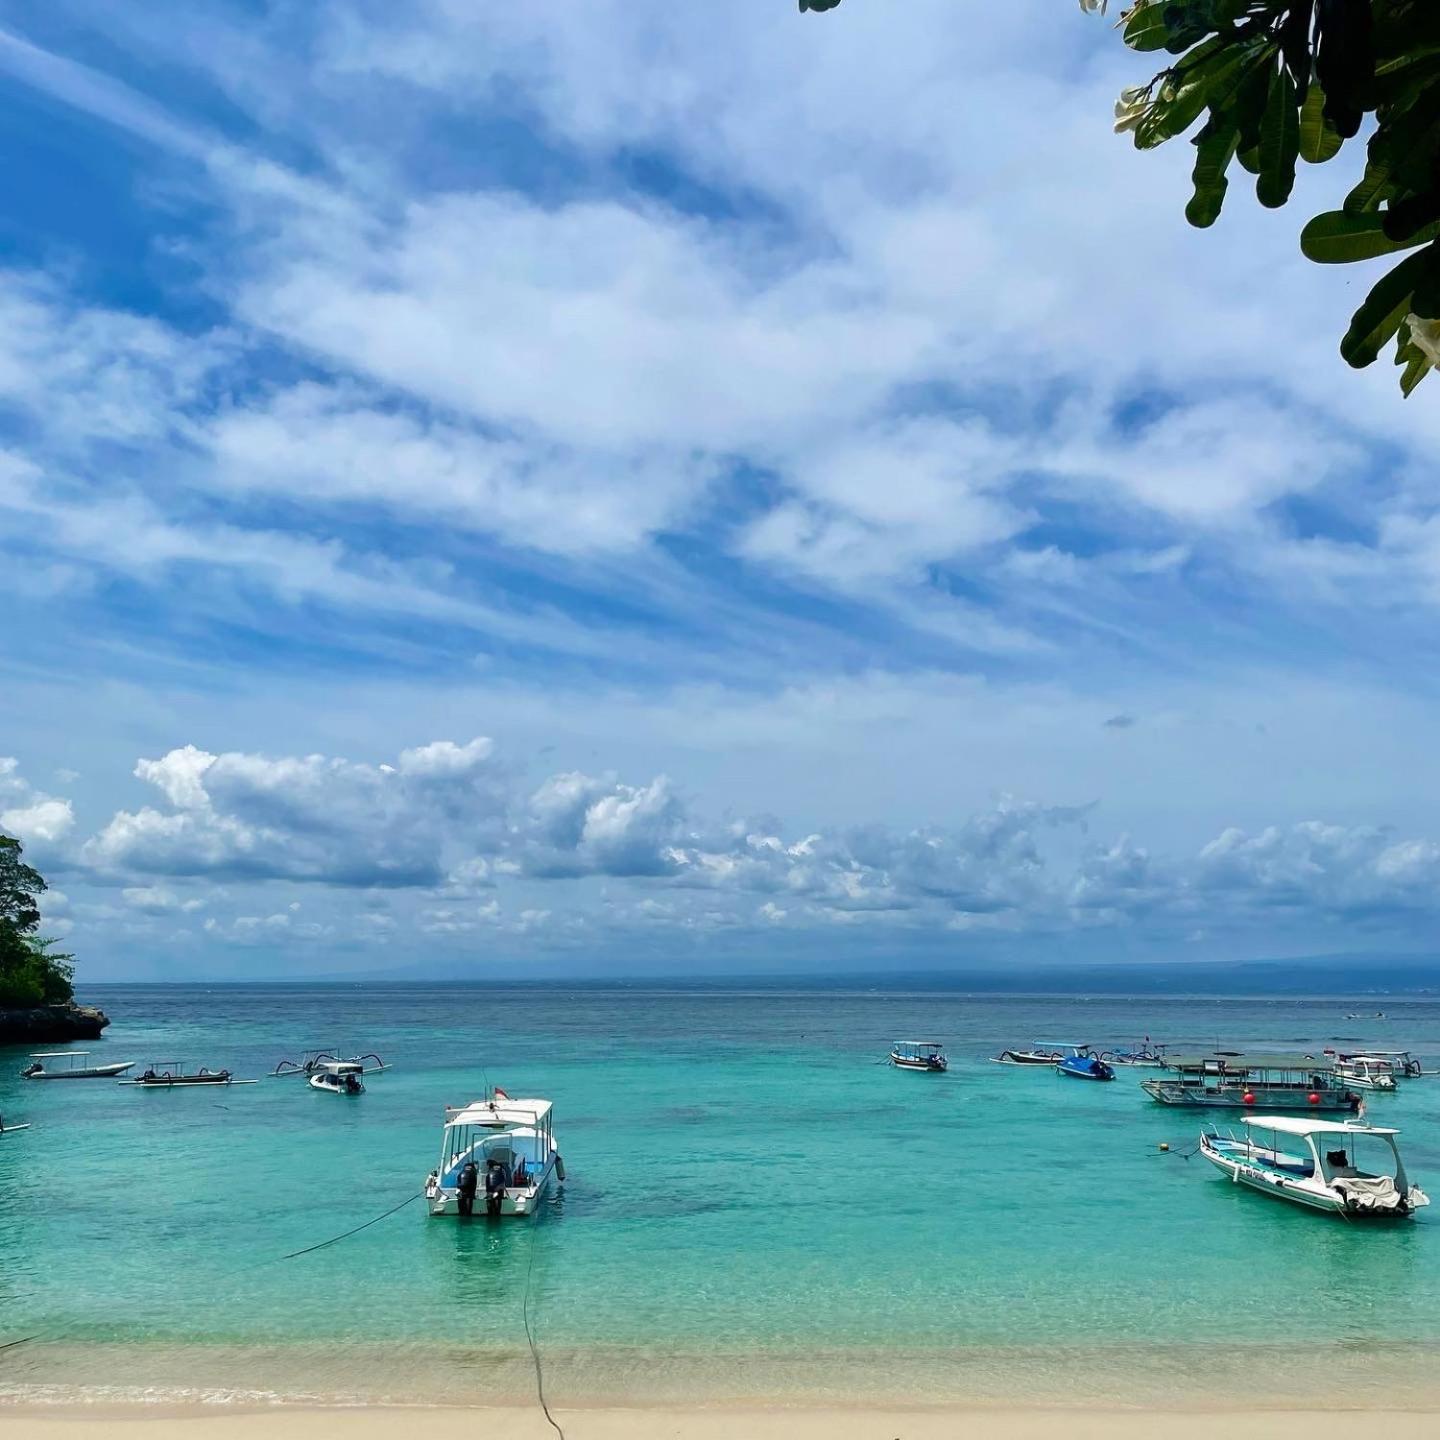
point(1270, 82)
point(31, 972)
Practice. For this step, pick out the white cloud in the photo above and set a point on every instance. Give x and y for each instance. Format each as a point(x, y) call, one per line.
point(30, 815)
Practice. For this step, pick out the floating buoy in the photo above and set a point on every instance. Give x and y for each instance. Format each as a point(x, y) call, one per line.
point(1248, 1097)
point(1164, 1145)
point(1313, 1098)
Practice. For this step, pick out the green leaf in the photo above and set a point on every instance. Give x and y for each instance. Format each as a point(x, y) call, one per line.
point(1336, 238)
point(1371, 190)
point(1249, 159)
point(1214, 149)
point(1319, 140)
point(1145, 27)
point(1279, 142)
point(1385, 308)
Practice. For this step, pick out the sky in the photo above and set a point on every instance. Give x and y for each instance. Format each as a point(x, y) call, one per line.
point(649, 488)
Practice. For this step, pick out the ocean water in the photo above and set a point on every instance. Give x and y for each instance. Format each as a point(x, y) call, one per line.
point(756, 1207)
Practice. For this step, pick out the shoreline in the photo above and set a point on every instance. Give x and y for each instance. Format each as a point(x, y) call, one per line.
point(674, 1422)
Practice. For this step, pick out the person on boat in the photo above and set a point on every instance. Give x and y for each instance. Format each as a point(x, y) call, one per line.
point(495, 1182)
point(468, 1184)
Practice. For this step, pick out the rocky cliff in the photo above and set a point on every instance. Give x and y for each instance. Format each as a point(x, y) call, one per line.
point(47, 1024)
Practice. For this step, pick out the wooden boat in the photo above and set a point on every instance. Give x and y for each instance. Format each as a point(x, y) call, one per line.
point(928, 1055)
point(171, 1075)
point(1322, 1171)
point(44, 1065)
point(339, 1077)
point(497, 1157)
point(1235, 1081)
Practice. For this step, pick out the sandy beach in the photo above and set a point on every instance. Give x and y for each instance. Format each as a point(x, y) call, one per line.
point(670, 1423)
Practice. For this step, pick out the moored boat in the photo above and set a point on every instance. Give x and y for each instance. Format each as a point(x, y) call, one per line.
point(1403, 1064)
point(1145, 1055)
point(1038, 1056)
point(1079, 1062)
point(312, 1060)
point(498, 1157)
point(12, 1129)
point(65, 1065)
point(1235, 1081)
point(1366, 1072)
point(339, 1077)
point(1322, 1170)
point(919, 1055)
point(172, 1075)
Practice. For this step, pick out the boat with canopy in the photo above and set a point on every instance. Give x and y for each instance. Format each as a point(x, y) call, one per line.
point(498, 1157)
point(1080, 1062)
point(1037, 1055)
point(69, 1065)
point(1345, 1167)
point(339, 1077)
point(1236, 1081)
point(919, 1055)
point(1366, 1072)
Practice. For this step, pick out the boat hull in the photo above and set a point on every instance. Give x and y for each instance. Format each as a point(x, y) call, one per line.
point(184, 1082)
point(317, 1084)
point(939, 1067)
point(1269, 1182)
point(1085, 1070)
point(1228, 1098)
point(444, 1200)
point(90, 1072)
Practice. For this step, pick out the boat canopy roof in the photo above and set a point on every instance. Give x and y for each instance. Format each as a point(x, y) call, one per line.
point(499, 1114)
point(55, 1054)
point(1377, 1055)
point(341, 1067)
point(1304, 1125)
point(922, 1044)
point(1260, 1060)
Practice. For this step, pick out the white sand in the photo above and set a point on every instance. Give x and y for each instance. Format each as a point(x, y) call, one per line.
point(669, 1423)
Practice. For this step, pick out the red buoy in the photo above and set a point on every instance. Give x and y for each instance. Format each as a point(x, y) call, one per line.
point(1314, 1098)
point(1248, 1098)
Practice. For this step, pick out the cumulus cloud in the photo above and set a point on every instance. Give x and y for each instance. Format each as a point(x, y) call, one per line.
point(32, 816)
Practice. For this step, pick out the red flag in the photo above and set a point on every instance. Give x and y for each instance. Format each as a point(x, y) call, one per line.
point(500, 1094)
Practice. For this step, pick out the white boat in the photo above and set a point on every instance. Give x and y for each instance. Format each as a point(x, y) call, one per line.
point(1323, 1169)
point(1366, 1072)
point(1145, 1056)
point(12, 1129)
point(339, 1077)
point(497, 1157)
point(1042, 1054)
point(1403, 1064)
point(919, 1055)
point(171, 1075)
point(311, 1060)
point(47, 1065)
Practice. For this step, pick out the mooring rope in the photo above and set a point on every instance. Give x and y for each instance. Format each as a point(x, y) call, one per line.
point(530, 1338)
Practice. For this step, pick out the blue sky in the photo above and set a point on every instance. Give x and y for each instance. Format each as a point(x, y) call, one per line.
point(566, 489)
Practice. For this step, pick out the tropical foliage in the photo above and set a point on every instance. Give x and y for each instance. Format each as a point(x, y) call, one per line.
point(31, 971)
point(1266, 84)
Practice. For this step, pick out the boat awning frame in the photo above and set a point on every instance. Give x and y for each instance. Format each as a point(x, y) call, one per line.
point(1302, 1125)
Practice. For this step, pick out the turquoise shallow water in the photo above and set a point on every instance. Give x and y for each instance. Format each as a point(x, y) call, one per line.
point(754, 1206)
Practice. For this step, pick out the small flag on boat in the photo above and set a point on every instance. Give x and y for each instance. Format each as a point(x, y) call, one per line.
point(500, 1094)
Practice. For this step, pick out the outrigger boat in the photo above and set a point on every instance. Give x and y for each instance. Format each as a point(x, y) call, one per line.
point(43, 1066)
point(1253, 1082)
point(170, 1075)
point(1036, 1056)
point(1149, 1056)
point(1366, 1072)
point(12, 1129)
point(1081, 1063)
point(339, 1077)
point(1324, 1174)
point(1403, 1064)
point(498, 1154)
point(311, 1060)
point(919, 1055)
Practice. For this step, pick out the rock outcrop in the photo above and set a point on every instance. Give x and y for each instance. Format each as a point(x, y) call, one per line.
point(48, 1024)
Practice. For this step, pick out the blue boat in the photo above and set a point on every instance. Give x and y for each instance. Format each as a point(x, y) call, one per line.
point(1080, 1062)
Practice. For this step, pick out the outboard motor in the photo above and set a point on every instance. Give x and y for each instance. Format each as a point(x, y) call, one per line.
point(33, 1069)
